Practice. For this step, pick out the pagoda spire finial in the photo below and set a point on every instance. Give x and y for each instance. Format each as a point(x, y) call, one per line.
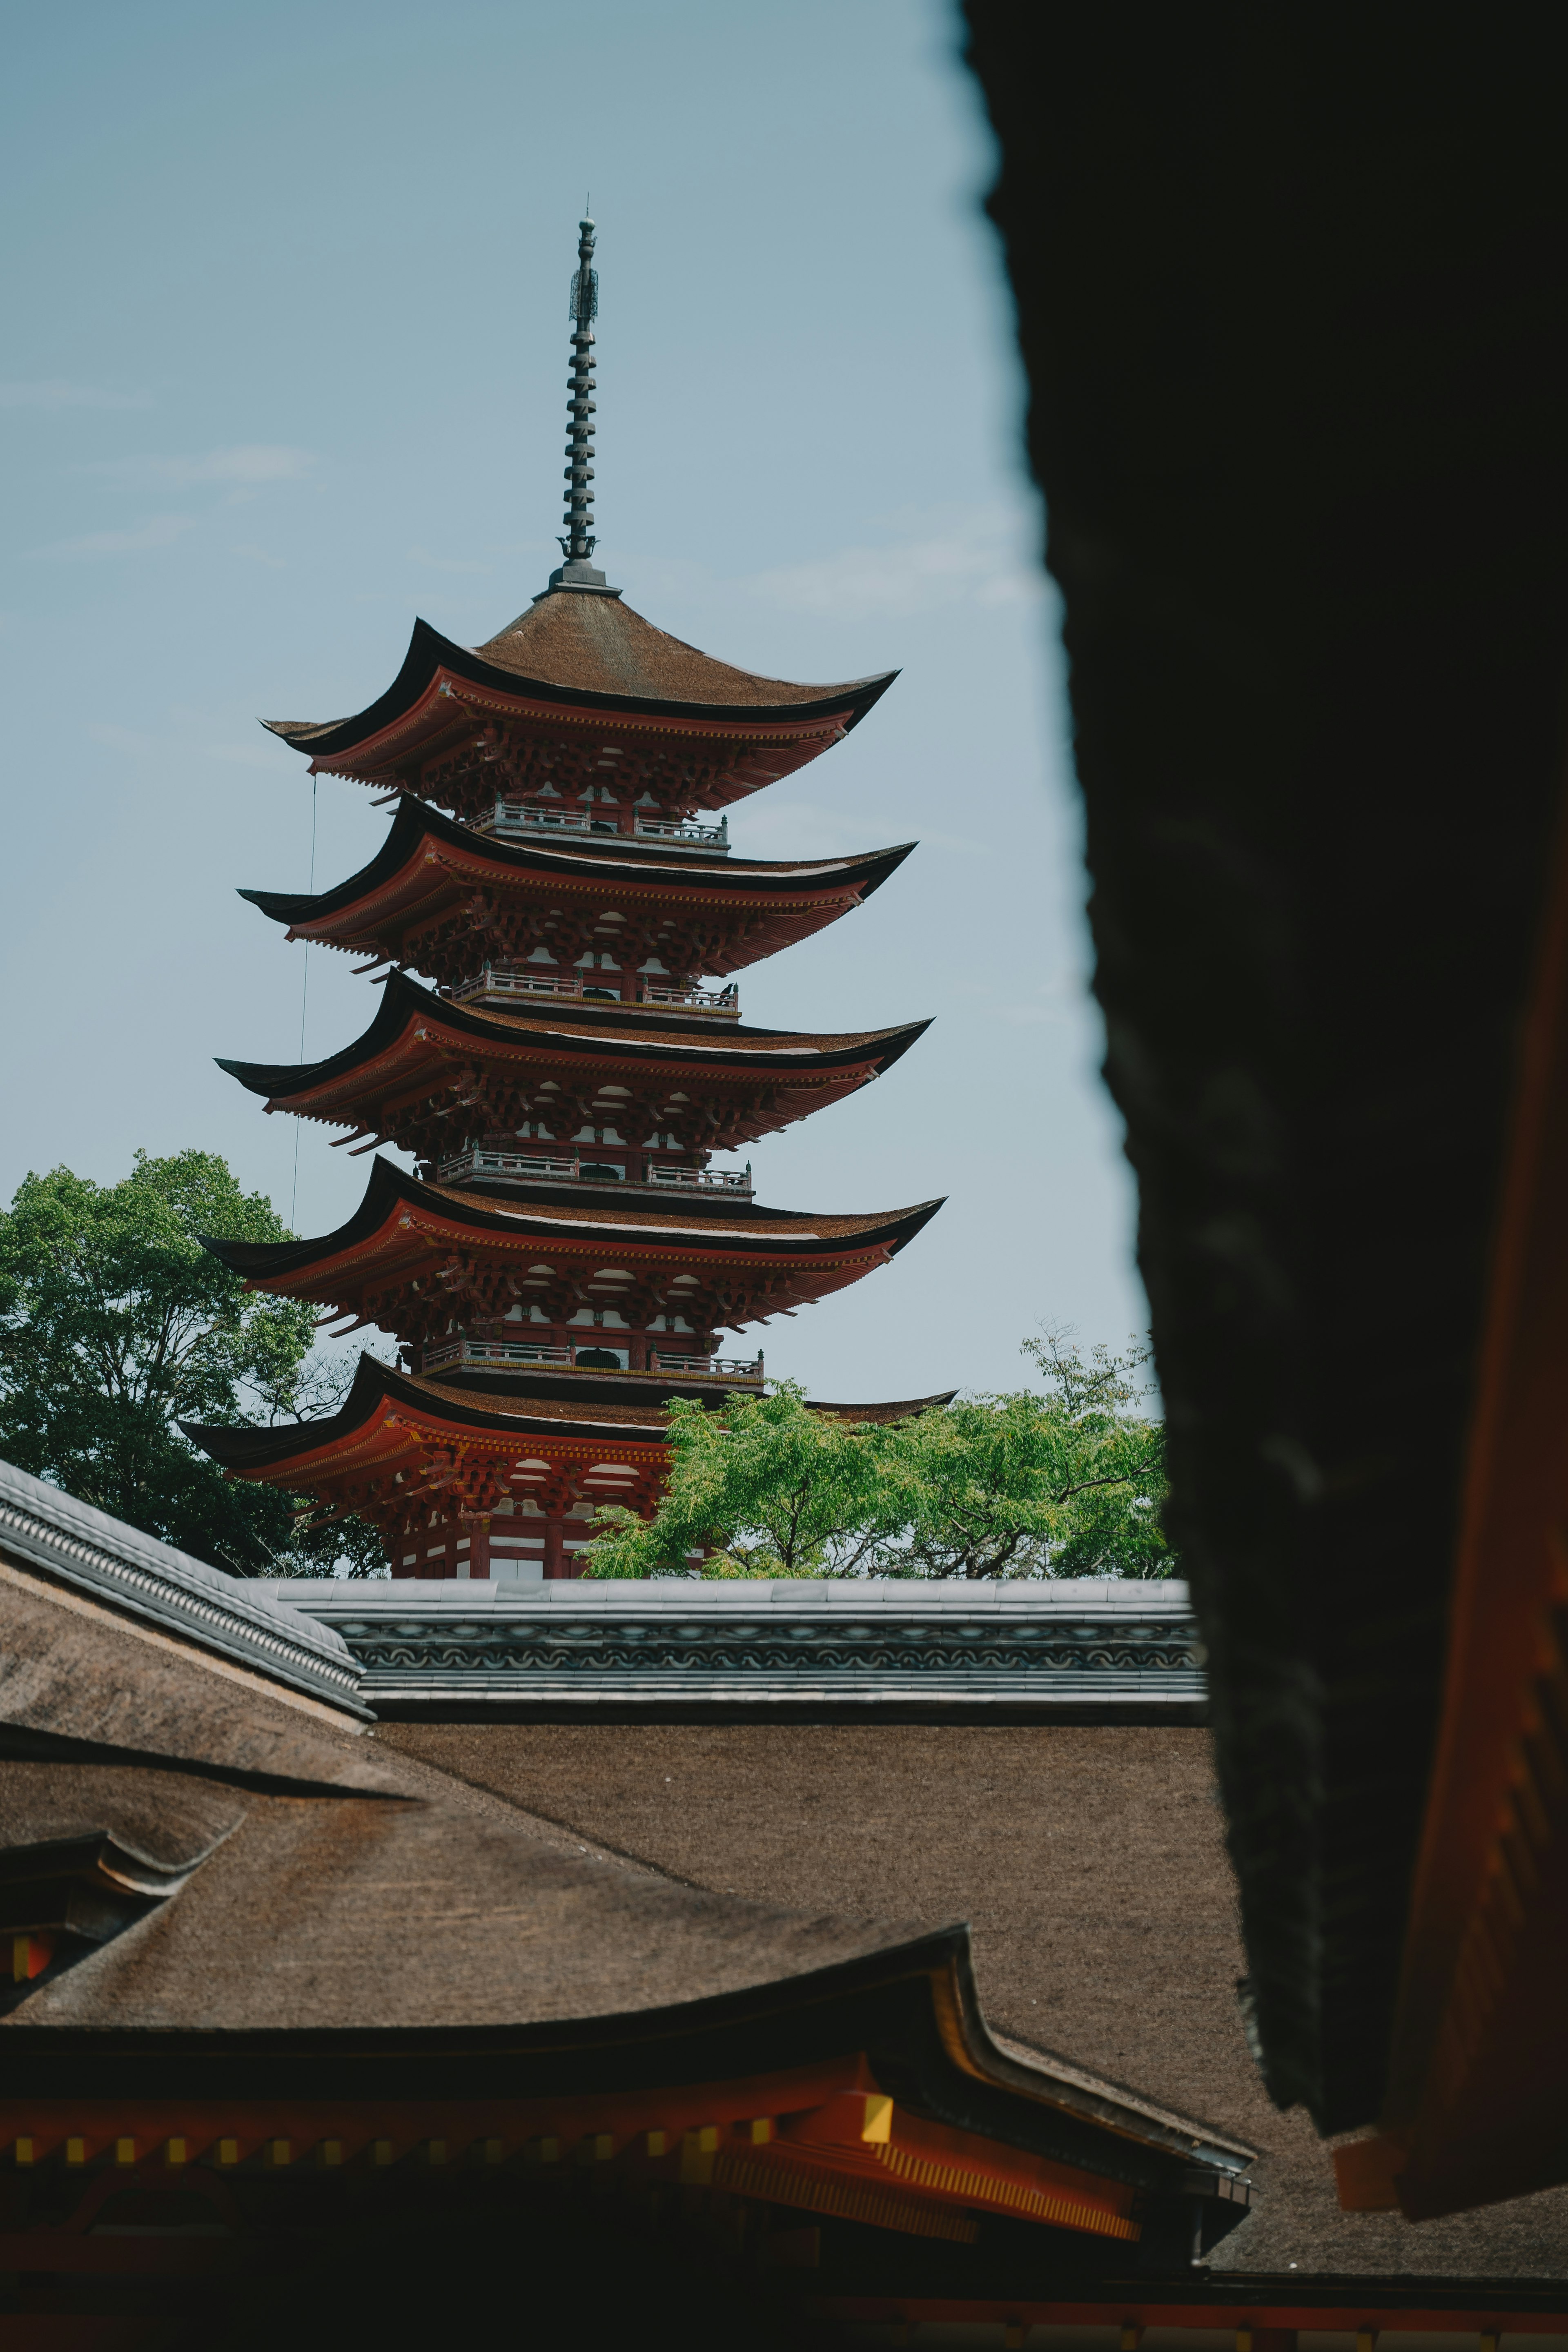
point(577, 539)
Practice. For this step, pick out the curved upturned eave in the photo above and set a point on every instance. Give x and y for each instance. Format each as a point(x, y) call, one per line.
point(402, 999)
point(252, 1453)
point(429, 651)
point(416, 823)
point(390, 1186)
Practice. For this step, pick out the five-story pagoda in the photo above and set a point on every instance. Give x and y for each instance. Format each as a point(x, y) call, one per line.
point(566, 1258)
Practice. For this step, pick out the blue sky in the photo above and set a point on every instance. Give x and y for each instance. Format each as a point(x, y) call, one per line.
point(286, 292)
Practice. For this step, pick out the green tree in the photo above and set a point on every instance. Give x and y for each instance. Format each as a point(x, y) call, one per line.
point(776, 1489)
point(1065, 1483)
point(115, 1324)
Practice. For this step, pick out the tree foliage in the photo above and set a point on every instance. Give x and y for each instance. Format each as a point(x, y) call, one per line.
point(1067, 1481)
point(116, 1324)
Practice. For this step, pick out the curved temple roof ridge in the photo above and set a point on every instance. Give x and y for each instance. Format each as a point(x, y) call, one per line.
point(593, 652)
point(624, 859)
point(752, 1226)
point(589, 1031)
point(381, 1392)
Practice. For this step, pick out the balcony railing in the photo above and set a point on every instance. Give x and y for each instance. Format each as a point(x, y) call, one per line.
point(700, 837)
point(530, 816)
point(700, 1179)
point(527, 816)
point(500, 1354)
point(696, 1000)
point(503, 981)
point(506, 980)
point(524, 1165)
point(493, 1352)
point(504, 1163)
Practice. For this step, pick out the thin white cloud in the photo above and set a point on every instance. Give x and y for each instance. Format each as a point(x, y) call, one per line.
point(158, 530)
point(248, 467)
point(974, 559)
point(260, 555)
point(53, 394)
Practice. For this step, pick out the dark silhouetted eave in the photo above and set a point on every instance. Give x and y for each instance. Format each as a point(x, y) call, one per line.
point(415, 825)
point(402, 999)
point(390, 1186)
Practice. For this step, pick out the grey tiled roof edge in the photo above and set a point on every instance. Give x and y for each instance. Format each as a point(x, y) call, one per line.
point(80, 1546)
point(1080, 1644)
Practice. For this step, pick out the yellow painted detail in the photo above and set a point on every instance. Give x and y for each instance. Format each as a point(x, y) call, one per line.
point(23, 2151)
point(124, 2151)
point(228, 2151)
point(657, 2142)
point(879, 2124)
point(174, 2151)
point(852, 2201)
point(604, 2147)
point(381, 2152)
point(75, 2151)
point(1016, 2196)
point(761, 2128)
point(697, 2152)
point(332, 2151)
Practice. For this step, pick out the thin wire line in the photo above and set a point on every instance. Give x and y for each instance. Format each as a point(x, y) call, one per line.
point(304, 1000)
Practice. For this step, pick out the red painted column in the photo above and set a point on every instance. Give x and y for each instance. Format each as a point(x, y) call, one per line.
point(555, 1563)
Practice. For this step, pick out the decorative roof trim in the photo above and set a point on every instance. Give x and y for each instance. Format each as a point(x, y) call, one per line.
point(1082, 1645)
point(86, 1548)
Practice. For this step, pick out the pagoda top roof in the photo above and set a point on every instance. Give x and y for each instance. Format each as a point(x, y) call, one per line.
point(637, 865)
point(749, 1228)
point(581, 1032)
point(378, 1385)
point(593, 652)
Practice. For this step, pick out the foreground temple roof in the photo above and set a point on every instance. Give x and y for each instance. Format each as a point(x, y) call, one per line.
point(427, 871)
point(443, 1965)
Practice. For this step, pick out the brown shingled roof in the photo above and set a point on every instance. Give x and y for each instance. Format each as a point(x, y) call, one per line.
point(600, 646)
point(1090, 1861)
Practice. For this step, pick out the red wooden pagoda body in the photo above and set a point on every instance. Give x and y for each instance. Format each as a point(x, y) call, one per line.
point(567, 1258)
